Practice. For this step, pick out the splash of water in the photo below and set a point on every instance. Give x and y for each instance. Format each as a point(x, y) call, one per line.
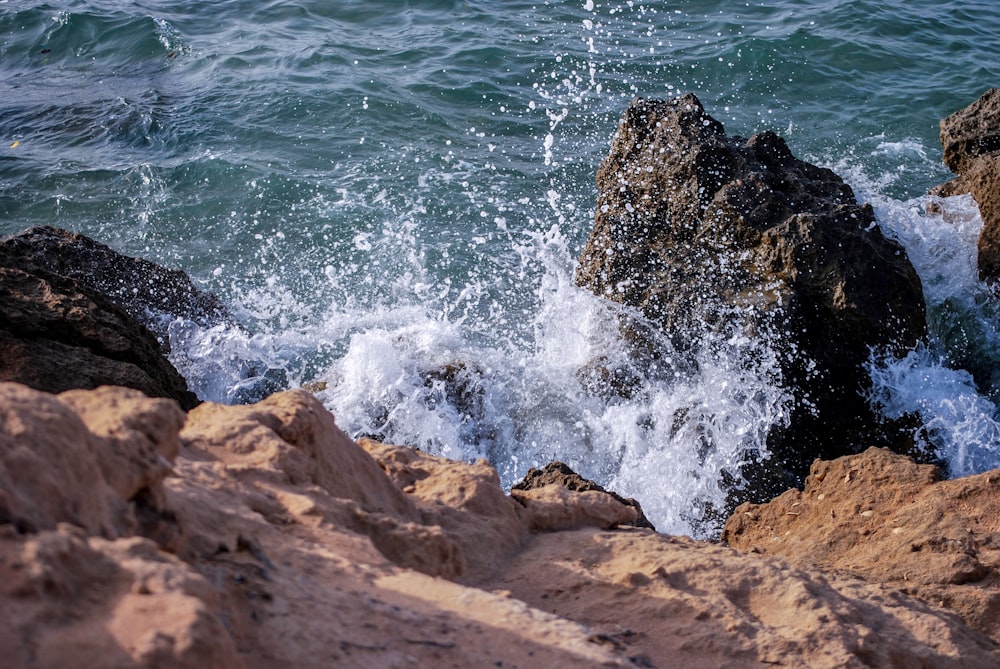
point(951, 384)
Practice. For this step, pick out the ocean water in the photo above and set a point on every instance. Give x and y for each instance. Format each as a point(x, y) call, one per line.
point(392, 195)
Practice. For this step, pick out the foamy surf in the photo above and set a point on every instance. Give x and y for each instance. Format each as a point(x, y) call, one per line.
point(431, 369)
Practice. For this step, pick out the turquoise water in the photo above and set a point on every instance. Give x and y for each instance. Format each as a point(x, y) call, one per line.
point(382, 189)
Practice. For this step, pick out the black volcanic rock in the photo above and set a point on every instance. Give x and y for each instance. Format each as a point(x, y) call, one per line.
point(704, 232)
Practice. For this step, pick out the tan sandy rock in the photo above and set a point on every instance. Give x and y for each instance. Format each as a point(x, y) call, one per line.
point(141, 439)
point(54, 469)
point(553, 508)
point(671, 601)
point(465, 499)
point(74, 600)
point(293, 546)
point(293, 435)
point(879, 516)
point(490, 526)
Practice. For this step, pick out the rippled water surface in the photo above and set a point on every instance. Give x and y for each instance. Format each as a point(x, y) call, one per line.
point(392, 195)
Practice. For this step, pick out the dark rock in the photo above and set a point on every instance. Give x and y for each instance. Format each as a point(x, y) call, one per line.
point(561, 474)
point(460, 386)
point(600, 378)
point(971, 141)
point(708, 233)
point(57, 335)
point(145, 290)
point(164, 301)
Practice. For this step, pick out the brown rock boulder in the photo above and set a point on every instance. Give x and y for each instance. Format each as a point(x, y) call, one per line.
point(292, 435)
point(563, 476)
point(971, 141)
point(704, 233)
point(57, 334)
point(880, 516)
point(972, 132)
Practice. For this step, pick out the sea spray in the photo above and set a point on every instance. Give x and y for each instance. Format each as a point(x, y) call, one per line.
point(959, 422)
point(952, 383)
point(411, 375)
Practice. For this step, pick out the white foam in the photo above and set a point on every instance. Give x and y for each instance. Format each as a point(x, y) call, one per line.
point(941, 243)
point(940, 237)
point(955, 417)
point(522, 400)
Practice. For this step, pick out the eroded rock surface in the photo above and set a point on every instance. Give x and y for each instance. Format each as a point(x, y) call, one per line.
point(972, 132)
point(880, 516)
point(559, 473)
point(706, 233)
point(291, 545)
point(75, 600)
point(94, 459)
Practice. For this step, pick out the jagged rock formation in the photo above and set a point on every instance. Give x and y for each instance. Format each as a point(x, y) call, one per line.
point(561, 474)
point(971, 132)
point(76, 314)
point(704, 233)
point(261, 536)
point(971, 141)
point(881, 517)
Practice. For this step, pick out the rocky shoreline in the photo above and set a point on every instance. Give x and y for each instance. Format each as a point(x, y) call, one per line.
point(140, 527)
point(262, 536)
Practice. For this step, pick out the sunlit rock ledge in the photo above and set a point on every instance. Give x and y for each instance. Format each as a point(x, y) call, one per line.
point(134, 535)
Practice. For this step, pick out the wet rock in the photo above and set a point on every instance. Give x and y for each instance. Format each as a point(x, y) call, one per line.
point(972, 132)
point(151, 294)
point(56, 334)
point(560, 474)
point(459, 385)
point(710, 234)
point(161, 301)
point(612, 382)
point(971, 141)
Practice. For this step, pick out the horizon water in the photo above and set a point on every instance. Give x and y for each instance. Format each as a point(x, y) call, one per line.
point(391, 197)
